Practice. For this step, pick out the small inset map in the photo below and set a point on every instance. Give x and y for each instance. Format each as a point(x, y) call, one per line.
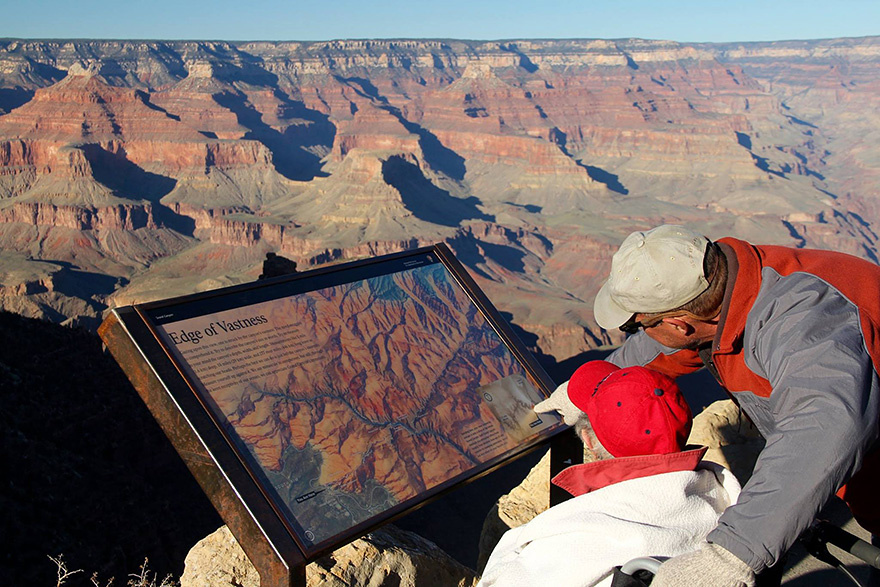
point(511, 399)
point(358, 397)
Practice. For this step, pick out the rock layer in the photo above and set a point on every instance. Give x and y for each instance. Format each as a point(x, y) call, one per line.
point(334, 150)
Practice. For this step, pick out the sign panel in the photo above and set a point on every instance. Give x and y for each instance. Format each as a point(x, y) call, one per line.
point(352, 393)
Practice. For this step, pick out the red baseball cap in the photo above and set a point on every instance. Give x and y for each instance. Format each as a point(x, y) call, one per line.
point(633, 411)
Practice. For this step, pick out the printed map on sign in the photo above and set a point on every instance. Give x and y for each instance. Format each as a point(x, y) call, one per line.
point(354, 398)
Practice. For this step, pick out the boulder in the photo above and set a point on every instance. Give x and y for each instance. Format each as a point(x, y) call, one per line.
point(733, 440)
point(218, 560)
point(387, 556)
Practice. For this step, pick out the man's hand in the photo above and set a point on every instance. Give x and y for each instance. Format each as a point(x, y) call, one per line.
point(711, 566)
point(559, 402)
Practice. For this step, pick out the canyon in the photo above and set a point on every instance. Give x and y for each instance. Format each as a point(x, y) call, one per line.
point(138, 170)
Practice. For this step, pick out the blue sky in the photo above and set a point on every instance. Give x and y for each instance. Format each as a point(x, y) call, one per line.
point(678, 20)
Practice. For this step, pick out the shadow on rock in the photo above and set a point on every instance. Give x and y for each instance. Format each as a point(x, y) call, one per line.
point(290, 150)
point(425, 200)
point(125, 178)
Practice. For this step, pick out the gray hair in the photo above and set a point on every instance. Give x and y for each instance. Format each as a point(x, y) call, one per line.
point(583, 427)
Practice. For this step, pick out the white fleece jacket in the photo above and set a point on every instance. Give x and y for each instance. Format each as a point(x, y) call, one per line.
point(579, 542)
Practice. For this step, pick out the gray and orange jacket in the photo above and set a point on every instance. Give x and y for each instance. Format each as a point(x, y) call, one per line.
point(797, 347)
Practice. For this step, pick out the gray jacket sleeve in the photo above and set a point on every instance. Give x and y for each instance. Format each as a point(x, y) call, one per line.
point(638, 350)
point(819, 421)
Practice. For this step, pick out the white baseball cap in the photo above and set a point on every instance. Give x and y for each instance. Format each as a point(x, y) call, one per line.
point(653, 271)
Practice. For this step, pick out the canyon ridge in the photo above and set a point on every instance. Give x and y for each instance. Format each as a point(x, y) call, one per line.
point(138, 170)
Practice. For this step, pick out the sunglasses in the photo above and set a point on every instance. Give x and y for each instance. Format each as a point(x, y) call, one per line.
point(632, 325)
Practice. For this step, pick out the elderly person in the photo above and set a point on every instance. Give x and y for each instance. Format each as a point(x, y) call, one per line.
point(644, 494)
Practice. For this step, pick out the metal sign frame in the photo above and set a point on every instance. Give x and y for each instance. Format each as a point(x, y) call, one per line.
point(247, 507)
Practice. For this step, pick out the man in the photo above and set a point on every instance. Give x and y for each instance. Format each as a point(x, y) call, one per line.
point(794, 336)
point(644, 495)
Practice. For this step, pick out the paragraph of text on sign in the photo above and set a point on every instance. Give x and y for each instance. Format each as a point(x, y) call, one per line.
point(251, 356)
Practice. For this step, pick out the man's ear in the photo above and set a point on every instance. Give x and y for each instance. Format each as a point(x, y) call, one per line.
point(680, 324)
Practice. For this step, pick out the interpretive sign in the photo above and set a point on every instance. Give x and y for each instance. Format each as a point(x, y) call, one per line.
point(332, 400)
